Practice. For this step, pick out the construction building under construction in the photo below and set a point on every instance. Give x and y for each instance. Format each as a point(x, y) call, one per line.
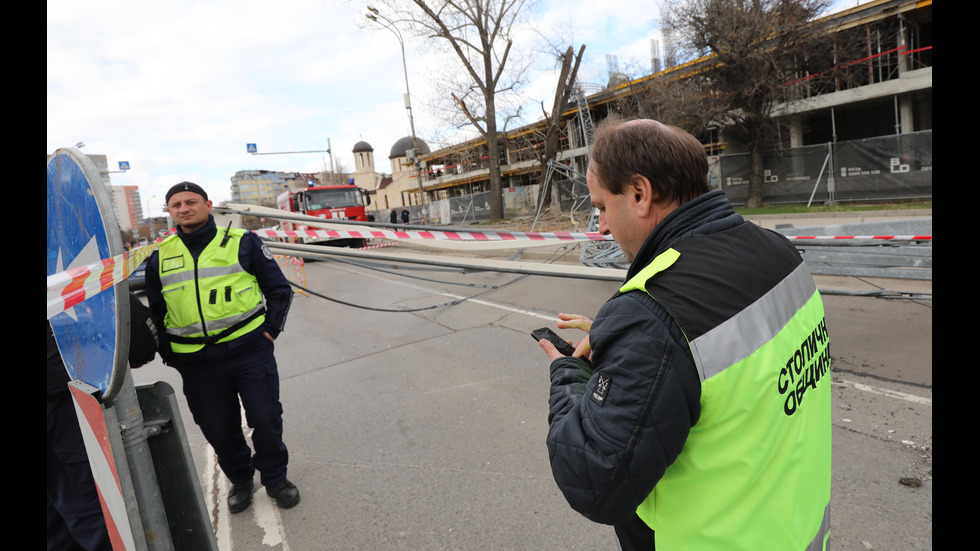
point(865, 134)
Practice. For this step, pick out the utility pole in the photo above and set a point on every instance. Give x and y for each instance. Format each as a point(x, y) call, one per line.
point(413, 156)
point(333, 171)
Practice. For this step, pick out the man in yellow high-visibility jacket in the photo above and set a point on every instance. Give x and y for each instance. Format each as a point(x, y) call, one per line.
point(696, 414)
point(205, 286)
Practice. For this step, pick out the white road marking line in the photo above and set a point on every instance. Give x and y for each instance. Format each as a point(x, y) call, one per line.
point(890, 393)
point(265, 513)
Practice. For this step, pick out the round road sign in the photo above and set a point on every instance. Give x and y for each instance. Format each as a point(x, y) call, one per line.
point(93, 336)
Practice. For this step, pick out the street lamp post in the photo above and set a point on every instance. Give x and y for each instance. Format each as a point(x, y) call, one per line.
point(149, 210)
point(376, 16)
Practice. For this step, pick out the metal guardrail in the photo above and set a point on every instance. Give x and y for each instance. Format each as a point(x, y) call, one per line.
point(891, 261)
point(866, 258)
point(857, 258)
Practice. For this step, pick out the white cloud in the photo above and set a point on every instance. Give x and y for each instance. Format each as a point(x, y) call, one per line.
point(179, 88)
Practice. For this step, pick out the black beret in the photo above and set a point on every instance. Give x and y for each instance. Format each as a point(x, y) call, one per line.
point(186, 186)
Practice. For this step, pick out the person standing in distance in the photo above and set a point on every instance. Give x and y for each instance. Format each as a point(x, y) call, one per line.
point(695, 415)
point(205, 286)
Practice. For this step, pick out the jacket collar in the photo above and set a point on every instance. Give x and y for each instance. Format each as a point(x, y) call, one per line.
point(200, 236)
point(708, 213)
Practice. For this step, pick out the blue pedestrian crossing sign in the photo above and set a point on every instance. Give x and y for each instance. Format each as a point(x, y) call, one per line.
point(82, 230)
point(123, 165)
point(251, 148)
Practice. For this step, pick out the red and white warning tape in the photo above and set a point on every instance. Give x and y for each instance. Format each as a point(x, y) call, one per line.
point(74, 285)
point(440, 235)
point(862, 237)
point(68, 288)
point(388, 244)
point(522, 236)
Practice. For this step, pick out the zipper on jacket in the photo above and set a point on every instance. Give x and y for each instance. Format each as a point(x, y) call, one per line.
point(197, 293)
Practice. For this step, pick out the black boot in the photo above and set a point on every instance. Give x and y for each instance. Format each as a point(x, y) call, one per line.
point(240, 496)
point(285, 493)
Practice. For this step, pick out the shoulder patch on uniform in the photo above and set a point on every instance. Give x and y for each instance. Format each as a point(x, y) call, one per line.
point(601, 388)
point(266, 252)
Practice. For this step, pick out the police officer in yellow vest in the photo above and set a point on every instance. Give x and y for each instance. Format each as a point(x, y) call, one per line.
point(696, 413)
point(205, 286)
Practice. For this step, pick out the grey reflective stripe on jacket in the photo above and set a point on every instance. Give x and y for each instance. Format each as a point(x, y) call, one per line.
point(188, 275)
point(736, 338)
point(817, 543)
point(213, 325)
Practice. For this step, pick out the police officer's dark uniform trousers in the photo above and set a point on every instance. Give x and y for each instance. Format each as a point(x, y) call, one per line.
point(220, 373)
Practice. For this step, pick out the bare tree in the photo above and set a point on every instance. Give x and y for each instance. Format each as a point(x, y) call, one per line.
point(333, 176)
point(744, 52)
point(479, 33)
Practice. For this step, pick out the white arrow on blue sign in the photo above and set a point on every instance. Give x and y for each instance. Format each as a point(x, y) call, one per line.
point(82, 229)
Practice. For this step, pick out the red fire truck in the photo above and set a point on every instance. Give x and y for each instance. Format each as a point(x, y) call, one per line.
point(340, 202)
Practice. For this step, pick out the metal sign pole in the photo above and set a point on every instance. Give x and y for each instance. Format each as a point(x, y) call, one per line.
point(93, 338)
point(152, 513)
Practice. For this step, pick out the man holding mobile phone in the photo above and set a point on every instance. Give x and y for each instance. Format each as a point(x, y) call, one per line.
point(702, 420)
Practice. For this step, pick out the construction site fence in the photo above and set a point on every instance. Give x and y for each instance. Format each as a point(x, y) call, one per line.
point(886, 168)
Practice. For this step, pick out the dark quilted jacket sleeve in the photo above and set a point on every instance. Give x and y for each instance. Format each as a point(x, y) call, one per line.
point(256, 259)
point(606, 458)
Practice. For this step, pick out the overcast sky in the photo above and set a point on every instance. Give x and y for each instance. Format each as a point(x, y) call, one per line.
point(178, 88)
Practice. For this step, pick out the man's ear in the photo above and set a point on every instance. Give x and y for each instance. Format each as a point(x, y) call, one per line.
point(640, 191)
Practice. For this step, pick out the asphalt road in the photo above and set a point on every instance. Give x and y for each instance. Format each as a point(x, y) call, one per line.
point(417, 423)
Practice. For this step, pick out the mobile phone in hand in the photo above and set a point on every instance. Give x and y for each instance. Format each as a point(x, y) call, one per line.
point(553, 338)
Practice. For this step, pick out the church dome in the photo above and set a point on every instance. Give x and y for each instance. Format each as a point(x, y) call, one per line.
point(362, 146)
point(404, 144)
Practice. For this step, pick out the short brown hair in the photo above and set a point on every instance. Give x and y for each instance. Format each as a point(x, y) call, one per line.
point(673, 160)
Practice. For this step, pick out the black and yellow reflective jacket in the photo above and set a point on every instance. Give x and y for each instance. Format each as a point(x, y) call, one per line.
point(254, 258)
point(650, 413)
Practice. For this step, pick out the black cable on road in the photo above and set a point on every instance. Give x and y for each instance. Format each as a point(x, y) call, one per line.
point(407, 310)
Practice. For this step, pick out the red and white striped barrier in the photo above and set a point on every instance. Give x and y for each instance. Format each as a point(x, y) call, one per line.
point(293, 266)
point(95, 434)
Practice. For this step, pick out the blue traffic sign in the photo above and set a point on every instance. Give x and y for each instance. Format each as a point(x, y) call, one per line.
point(123, 165)
point(251, 148)
point(82, 230)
